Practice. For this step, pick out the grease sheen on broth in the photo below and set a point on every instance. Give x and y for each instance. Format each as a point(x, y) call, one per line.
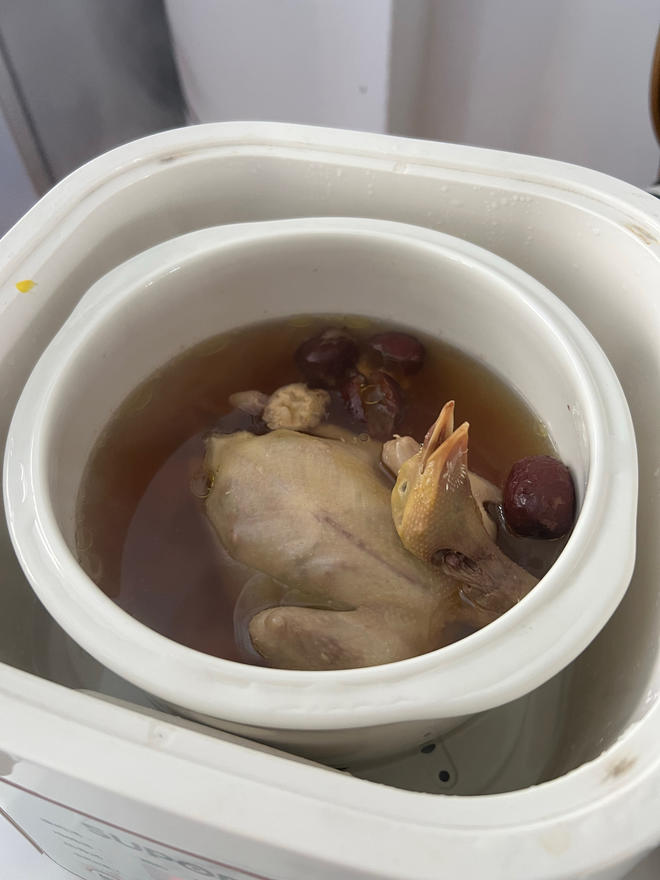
point(142, 534)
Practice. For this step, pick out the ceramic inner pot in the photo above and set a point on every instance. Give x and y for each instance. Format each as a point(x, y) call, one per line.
point(175, 295)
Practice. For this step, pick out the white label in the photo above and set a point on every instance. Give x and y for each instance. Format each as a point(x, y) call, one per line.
point(95, 850)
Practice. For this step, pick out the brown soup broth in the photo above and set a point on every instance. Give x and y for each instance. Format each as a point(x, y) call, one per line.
point(142, 533)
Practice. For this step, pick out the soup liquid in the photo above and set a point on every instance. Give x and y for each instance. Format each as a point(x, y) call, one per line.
point(142, 533)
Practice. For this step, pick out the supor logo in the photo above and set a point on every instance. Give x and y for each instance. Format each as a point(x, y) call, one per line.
point(93, 849)
point(171, 865)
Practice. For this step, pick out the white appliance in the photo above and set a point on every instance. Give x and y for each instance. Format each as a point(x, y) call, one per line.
point(564, 783)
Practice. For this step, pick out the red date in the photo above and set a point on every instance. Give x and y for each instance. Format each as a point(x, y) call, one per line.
point(383, 403)
point(539, 498)
point(324, 360)
point(351, 392)
point(398, 352)
point(376, 400)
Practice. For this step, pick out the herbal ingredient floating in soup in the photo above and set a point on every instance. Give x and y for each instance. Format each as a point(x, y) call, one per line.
point(266, 496)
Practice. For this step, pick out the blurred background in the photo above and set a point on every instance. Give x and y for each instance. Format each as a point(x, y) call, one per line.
point(566, 79)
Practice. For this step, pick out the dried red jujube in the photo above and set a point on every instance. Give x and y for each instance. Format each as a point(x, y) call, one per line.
point(397, 352)
point(325, 359)
point(351, 392)
point(539, 497)
point(383, 403)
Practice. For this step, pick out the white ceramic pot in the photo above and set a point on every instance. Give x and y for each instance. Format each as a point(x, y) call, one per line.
point(168, 298)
